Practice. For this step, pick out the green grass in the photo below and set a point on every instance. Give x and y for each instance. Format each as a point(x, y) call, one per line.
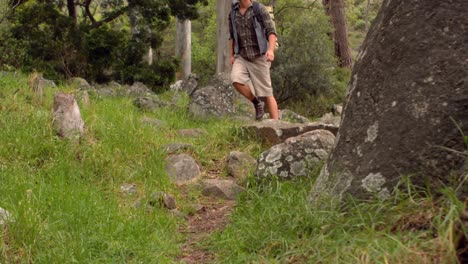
point(275, 224)
point(68, 208)
point(65, 197)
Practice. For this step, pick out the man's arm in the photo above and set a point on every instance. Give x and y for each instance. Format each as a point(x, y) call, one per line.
point(270, 31)
point(231, 50)
point(270, 54)
point(231, 40)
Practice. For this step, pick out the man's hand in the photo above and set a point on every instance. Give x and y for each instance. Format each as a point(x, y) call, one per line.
point(270, 55)
point(232, 59)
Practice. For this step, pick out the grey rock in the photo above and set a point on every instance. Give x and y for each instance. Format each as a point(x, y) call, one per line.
point(190, 85)
point(176, 147)
point(39, 84)
point(128, 188)
point(276, 131)
point(149, 103)
point(177, 86)
point(330, 119)
point(106, 91)
point(240, 164)
point(337, 109)
point(66, 116)
point(153, 122)
point(111, 89)
point(5, 216)
point(214, 100)
point(224, 189)
point(83, 97)
point(192, 132)
point(139, 89)
point(209, 101)
point(162, 199)
point(198, 208)
point(297, 156)
point(79, 83)
point(182, 169)
point(290, 116)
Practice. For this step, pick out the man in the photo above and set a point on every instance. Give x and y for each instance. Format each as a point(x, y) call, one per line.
point(252, 54)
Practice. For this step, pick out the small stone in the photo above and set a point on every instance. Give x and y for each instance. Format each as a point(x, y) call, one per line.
point(5, 216)
point(192, 132)
point(128, 188)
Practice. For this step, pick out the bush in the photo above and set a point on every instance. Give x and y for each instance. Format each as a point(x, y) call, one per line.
point(360, 25)
point(13, 52)
point(305, 68)
point(42, 37)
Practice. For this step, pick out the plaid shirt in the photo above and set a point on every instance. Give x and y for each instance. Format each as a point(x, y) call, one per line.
point(248, 45)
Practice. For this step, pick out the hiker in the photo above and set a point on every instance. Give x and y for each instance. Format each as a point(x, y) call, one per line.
point(252, 51)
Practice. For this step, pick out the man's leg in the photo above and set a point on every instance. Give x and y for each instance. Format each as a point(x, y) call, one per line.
point(244, 90)
point(272, 107)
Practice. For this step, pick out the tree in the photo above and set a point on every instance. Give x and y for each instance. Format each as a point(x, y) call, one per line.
point(183, 46)
point(6, 7)
point(223, 8)
point(335, 10)
point(407, 103)
point(92, 39)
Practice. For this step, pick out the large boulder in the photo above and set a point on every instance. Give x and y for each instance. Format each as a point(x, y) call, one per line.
point(66, 116)
point(276, 131)
point(406, 111)
point(297, 156)
point(211, 101)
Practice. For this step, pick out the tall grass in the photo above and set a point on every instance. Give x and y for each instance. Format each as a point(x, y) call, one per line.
point(65, 197)
point(275, 224)
point(67, 206)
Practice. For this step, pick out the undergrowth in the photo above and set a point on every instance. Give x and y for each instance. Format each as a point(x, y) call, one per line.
point(66, 204)
point(274, 223)
point(65, 198)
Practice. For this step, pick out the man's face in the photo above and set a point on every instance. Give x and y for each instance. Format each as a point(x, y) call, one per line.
point(245, 2)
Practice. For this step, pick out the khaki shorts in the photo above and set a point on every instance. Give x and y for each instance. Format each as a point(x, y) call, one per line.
point(257, 72)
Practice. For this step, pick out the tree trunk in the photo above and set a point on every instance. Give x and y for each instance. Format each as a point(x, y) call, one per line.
point(72, 10)
point(223, 65)
point(335, 10)
point(183, 47)
point(406, 111)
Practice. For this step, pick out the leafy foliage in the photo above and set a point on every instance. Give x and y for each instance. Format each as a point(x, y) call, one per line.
point(304, 67)
point(97, 40)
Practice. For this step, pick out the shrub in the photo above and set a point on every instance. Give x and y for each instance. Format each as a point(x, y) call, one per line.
point(305, 68)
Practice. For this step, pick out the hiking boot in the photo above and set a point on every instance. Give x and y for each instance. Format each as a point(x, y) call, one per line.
point(259, 111)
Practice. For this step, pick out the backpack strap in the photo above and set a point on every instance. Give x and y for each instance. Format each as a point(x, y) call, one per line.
point(234, 30)
point(259, 26)
point(257, 13)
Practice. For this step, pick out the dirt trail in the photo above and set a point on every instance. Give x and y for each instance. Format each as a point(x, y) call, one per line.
point(213, 216)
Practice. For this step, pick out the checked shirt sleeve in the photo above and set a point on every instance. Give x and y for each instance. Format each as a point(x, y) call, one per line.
point(268, 23)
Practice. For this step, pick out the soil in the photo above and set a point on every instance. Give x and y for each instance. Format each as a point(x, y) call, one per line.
point(212, 216)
